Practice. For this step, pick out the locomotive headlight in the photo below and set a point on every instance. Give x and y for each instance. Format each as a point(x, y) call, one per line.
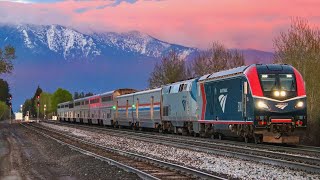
point(283, 93)
point(276, 93)
point(262, 105)
point(299, 104)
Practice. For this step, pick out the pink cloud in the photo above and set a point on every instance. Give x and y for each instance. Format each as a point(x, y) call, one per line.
point(238, 24)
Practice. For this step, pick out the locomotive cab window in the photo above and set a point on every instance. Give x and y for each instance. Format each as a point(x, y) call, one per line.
point(166, 90)
point(287, 82)
point(278, 86)
point(175, 88)
point(268, 82)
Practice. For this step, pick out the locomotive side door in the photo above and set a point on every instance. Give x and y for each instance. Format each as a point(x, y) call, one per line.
point(244, 100)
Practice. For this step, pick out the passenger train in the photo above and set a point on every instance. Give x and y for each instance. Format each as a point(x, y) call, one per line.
point(262, 102)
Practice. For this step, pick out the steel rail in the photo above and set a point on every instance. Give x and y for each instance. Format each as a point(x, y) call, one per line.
point(197, 145)
point(161, 163)
point(110, 161)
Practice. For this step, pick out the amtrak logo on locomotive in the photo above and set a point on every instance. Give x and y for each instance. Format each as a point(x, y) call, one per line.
point(223, 98)
point(282, 105)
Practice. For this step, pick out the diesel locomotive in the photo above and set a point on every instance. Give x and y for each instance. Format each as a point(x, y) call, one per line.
point(262, 102)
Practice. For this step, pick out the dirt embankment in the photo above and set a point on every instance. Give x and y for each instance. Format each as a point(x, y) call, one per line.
point(25, 154)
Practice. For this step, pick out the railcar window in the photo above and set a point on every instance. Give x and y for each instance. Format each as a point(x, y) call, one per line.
point(77, 104)
point(106, 98)
point(268, 82)
point(87, 102)
point(287, 82)
point(93, 101)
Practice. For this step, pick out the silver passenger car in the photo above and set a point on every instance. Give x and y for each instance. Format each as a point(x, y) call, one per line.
point(140, 109)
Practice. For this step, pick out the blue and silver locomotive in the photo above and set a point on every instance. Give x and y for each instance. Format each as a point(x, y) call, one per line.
point(266, 103)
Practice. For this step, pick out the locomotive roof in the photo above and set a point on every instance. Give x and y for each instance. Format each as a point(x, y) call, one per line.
point(181, 82)
point(234, 71)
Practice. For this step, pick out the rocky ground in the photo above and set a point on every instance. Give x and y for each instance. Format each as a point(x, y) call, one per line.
point(232, 167)
point(25, 154)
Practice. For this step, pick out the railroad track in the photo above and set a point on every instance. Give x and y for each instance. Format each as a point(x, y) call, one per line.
point(145, 167)
point(312, 151)
point(293, 161)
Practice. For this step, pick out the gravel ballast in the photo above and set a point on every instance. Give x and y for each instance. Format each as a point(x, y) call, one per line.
point(233, 167)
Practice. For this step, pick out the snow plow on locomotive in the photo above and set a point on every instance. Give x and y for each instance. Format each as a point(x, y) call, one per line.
point(266, 103)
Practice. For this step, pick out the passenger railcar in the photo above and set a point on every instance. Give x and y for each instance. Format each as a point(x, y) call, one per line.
point(97, 109)
point(266, 103)
point(140, 109)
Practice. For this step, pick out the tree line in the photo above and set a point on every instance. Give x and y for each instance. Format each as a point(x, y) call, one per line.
point(300, 47)
point(173, 67)
point(48, 102)
point(7, 55)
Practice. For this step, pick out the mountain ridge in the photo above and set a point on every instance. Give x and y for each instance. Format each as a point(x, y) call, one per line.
point(71, 44)
point(55, 56)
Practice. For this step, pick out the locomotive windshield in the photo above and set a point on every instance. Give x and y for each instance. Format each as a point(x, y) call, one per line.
point(287, 82)
point(279, 86)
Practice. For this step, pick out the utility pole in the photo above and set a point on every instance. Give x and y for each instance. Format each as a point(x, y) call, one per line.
point(38, 107)
point(10, 107)
point(44, 111)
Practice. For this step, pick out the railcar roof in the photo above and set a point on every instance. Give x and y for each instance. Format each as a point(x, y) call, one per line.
point(141, 92)
point(93, 96)
point(107, 93)
point(64, 103)
point(236, 70)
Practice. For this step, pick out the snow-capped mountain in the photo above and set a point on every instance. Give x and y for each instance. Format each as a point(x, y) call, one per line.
point(70, 44)
point(140, 43)
point(54, 56)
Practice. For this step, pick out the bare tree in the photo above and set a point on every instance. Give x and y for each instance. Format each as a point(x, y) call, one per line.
point(216, 58)
point(171, 69)
point(300, 47)
point(6, 58)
